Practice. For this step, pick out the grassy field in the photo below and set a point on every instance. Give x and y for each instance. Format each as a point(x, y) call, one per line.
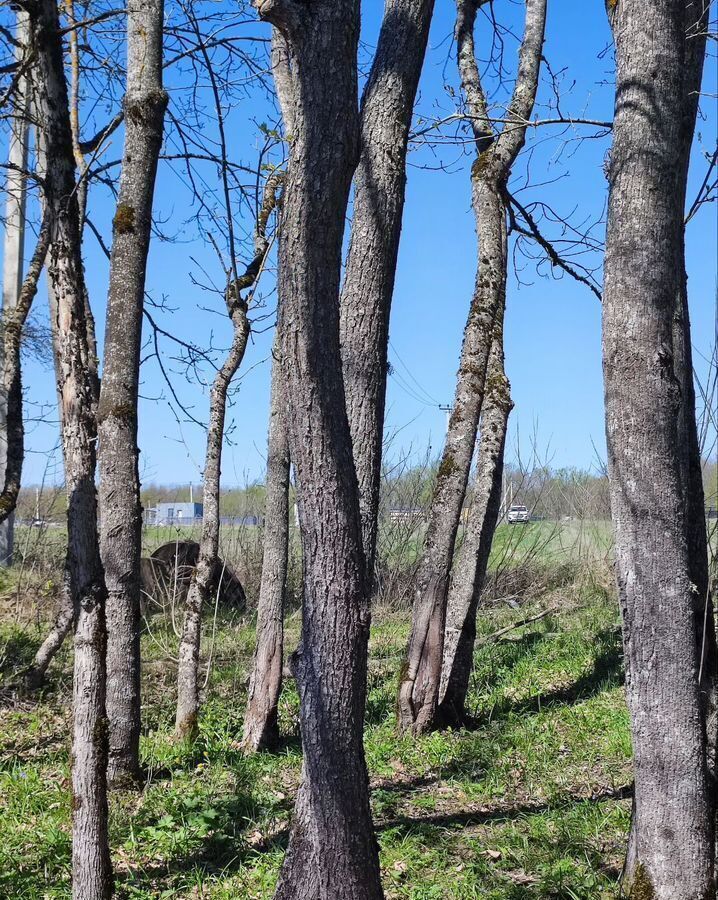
point(531, 802)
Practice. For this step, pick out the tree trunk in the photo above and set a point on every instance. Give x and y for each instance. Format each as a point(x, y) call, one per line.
point(13, 321)
point(379, 187)
point(470, 570)
point(696, 27)
point(12, 263)
point(186, 719)
point(261, 729)
point(674, 809)
point(207, 562)
point(17, 297)
point(421, 675)
point(91, 867)
point(118, 455)
point(332, 852)
point(62, 625)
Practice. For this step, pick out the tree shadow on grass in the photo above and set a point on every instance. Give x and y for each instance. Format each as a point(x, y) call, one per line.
point(225, 840)
point(605, 673)
point(17, 651)
point(483, 815)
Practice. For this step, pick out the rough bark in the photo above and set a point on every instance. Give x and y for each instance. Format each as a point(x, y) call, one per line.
point(91, 867)
point(421, 675)
point(118, 454)
point(35, 676)
point(186, 719)
point(14, 316)
point(696, 27)
point(379, 188)
point(469, 572)
point(261, 728)
point(332, 852)
point(11, 425)
point(674, 809)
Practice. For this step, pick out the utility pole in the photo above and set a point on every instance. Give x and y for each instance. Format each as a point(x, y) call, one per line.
point(14, 246)
point(447, 409)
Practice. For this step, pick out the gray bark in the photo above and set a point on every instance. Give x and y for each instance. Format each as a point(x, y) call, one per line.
point(18, 294)
point(469, 571)
point(379, 188)
point(118, 454)
point(261, 728)
point(421, 675)
point(65, 616)
point(186, 718)
point(91, 867)
point(645, 427)
point(13, 321)
point(13, 251)
point(61, 627)
point(696, 27)
point(332, 852)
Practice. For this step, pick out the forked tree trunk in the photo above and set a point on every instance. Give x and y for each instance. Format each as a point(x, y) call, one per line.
point(674, 808)
point(421, 675)
point(469, 572)
point(118, 455)
point(379, 187)
point(332, 853)
point(91, 867)
point(186, 719)
point(261, 729)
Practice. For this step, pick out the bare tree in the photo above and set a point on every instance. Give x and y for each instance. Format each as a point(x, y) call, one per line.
point(18, 292)
point(92, 872)
point(265, 685)
point(332, 851)
point(118, 455)
point(644, 367)
point(237, 307)
point(14, 247)
point(379, 187)
point(495, 155)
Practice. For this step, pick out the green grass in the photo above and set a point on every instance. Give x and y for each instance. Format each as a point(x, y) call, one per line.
point(529, 803)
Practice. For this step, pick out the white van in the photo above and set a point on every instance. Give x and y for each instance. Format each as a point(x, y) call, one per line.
point(518, 515)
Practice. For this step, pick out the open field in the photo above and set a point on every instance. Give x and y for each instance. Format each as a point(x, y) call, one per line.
point(531, 802)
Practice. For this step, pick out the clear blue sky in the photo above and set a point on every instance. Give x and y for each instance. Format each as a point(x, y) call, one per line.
point(553, 326)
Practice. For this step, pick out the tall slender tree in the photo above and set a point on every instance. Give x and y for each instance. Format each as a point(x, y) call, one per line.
point(92, 872)
point(260, 720)
point(467, 579)
point(14, 248)
point(379, 189)
point(647, 411)
point(118, 455)
point(495, 155)
point(207, 562)
point(697, 27)
point(332, 852)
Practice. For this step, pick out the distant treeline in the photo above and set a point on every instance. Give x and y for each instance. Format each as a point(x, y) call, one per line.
point(549, 493)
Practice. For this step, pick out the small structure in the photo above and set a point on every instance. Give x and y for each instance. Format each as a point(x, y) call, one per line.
point(176, 514)
point(406, 514)
point(242, 521)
